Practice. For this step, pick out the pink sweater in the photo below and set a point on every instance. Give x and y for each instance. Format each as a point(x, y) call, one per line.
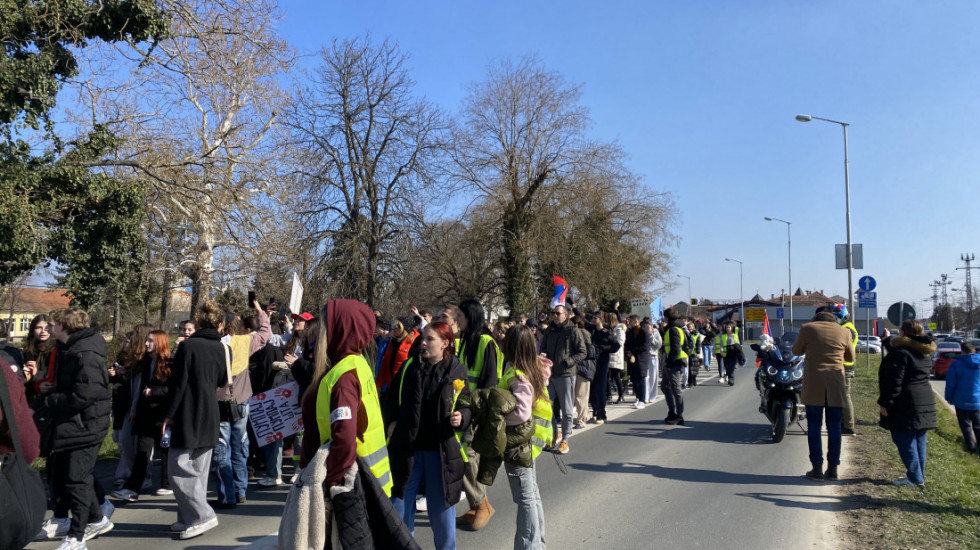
point(524, 393)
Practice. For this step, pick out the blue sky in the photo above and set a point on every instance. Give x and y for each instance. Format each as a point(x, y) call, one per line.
point(702, 96)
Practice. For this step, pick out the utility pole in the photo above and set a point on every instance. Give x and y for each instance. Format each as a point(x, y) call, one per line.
point(969, 289)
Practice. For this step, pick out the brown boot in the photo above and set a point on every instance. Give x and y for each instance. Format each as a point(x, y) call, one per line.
point(467, 518)
point(483, 514)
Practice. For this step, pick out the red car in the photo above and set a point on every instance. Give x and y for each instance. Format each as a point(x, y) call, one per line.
point(946, 354)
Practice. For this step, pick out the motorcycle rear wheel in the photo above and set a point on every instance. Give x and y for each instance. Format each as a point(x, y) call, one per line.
point(779, 424)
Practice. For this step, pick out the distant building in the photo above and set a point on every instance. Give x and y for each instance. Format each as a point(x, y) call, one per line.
point(19, 305)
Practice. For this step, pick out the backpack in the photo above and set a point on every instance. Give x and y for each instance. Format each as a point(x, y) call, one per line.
point(688, 345)
point(586, 369)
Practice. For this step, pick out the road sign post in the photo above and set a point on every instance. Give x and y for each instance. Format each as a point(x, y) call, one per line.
point(868, 299)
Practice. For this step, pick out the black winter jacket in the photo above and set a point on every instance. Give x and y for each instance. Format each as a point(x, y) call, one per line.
point(606, 344)
point(150, 408)
point(197, 371)
point(903, 385)
point(416, 412)
point(80, 401)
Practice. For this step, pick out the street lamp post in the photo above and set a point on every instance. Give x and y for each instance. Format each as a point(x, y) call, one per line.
point(741, 298)
point(689, 295)
point(847, 204)
point(789, 250)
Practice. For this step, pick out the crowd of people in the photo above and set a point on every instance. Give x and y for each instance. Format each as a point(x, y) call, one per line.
point(430, 407)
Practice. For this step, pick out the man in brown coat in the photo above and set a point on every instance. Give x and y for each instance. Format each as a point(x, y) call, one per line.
point(827, 345)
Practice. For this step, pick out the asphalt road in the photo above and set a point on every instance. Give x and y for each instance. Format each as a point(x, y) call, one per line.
point(635, 482)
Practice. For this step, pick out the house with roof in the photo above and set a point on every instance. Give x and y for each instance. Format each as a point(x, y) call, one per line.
point(18, 306)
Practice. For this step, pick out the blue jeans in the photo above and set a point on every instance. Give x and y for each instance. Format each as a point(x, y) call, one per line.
point(530, 512)
point(814, 423)
point(427, 473)
point(707, 354)
point(230, 455)
point(273, 459)
point(912, 448)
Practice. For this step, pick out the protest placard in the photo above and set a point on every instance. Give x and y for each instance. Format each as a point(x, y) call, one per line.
point(275, 414)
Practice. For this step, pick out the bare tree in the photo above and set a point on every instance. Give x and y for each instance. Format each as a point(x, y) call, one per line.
point(522, 144)
point(365, 146)
point(196, 118)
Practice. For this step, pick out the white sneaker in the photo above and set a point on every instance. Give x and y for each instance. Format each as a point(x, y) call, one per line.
point(270, 482)
point(93, 530)
point(163, 492)
point(71, 543)
point(421, 505)
point(639, 405)
point(199, 528)
point(107, 508)
point(53, 528)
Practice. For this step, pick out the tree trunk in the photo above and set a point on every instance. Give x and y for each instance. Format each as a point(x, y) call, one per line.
point(517, 268)
point(115, 314)
point(165, 299)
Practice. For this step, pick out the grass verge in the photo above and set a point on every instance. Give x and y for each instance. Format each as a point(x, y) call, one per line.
point(879, 515)
point(109, 449)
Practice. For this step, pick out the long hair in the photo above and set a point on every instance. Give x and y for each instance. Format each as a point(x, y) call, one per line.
point(444, 331)
point(476, 326)
point(318, 342)
point(34, 349)
point(161, 348)
point(520, 350)
point(137, 349)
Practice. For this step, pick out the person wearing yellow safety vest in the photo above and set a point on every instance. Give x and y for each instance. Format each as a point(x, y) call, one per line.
point(730, 349)
point(526, 376)
point(479, 353)
point(424, 446)
point(676, 345)
point(341, 406)
point(847, 422)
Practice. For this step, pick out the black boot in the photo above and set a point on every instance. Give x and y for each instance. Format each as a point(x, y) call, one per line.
point(831, 471)
point(816, 474)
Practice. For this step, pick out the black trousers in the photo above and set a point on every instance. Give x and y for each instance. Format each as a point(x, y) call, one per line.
point(670, 384)
point(597, 392)
point(74, 484)
point(141, 464)
point(616, 376)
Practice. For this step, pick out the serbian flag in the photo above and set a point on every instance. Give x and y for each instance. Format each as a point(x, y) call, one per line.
point(561, 290)
point(765, 326)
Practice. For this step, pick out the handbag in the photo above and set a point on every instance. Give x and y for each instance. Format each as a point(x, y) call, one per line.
point(228, 408)
point(22, 496)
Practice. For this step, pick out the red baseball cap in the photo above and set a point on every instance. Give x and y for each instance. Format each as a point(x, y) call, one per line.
point(304, 316)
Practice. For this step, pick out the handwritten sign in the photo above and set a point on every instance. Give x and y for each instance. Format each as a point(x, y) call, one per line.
point(275, 414)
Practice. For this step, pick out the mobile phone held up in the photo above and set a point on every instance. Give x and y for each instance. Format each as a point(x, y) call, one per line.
point(251, 298)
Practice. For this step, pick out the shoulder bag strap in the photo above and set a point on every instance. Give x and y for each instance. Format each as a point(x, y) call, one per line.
point(8, 413)
point(227, 363)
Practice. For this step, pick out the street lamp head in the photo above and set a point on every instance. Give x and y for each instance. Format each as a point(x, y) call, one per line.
point(768, 219)
point(804, 118)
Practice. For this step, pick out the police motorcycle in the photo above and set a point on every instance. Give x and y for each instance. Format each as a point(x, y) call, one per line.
point(779, 380)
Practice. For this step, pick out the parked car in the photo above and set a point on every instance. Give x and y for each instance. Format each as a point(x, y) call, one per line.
point(868, 344)
point(946, 353)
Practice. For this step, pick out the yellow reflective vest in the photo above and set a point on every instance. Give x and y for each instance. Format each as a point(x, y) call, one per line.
point(854, 335)
point(724, 342)
point(541, 412)
point(681, 354)
point(373, 448)
point(474, 371)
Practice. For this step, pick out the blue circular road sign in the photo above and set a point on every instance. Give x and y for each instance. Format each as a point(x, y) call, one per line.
point(867, 283)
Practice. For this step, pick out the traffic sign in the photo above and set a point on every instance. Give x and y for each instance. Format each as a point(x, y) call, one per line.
point(779, 313)
point(900, 311)
point(867, 299)
point(867, 283)
point(755, 314)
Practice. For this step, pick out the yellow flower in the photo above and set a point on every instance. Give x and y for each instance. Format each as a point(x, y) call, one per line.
point(458, 385)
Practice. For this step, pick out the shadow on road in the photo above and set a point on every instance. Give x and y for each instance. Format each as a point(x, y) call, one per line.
point(738, 433)
point(691, 474)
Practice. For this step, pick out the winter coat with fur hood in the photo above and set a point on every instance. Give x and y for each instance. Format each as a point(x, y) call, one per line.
point(903, 384)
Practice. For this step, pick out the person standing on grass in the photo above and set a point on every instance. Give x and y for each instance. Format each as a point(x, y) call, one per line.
point(826, 345)
point(908, 406)
point(963, 392)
